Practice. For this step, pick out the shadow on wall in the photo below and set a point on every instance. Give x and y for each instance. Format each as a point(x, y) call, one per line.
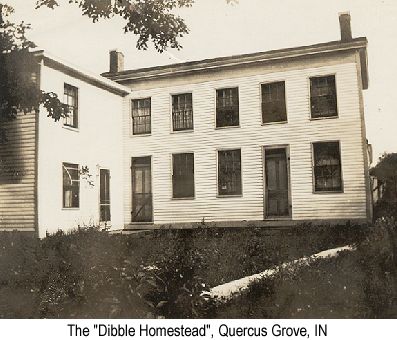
point(12, 162)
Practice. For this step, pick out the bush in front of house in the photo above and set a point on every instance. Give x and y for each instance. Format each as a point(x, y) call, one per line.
point(89, 273)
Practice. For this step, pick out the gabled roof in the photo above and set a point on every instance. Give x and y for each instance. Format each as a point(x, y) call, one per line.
point(359, 44)
point(75, 71)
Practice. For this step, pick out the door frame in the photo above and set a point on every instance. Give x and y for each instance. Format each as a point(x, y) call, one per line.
point(132, 188)
point(107, 223)
point(286, 147)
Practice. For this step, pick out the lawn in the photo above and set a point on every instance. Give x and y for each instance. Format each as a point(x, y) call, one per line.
point(358, 284)
point(91, 274)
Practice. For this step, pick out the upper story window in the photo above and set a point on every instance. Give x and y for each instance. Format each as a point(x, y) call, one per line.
point(183, 175)
point(141, 116)
point(323, 97)
point(229, 172)
point(273, 102)
point(71, 185)
point(182, 112)
point(327, 167)
point(70, 98)
point(227, 107)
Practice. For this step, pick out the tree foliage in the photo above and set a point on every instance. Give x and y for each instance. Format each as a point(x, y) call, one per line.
point(19, 87)
point(386, 172)
point(150, 20)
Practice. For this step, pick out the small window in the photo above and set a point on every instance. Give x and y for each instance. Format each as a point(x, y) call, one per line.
point(183, 175)
point(71, 185)
point(182, 112)
point(229, 172)
point(141, 116)
point(70, 98)
point(273, 103)
point(323, 97)
point(227, 107)
point(327, 167)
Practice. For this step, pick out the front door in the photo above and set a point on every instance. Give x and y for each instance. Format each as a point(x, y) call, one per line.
point(277, 183)
point(104, 195)
point(142, 204)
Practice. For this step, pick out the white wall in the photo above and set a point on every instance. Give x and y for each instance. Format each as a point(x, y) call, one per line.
point(97, 143)
point(251, 136)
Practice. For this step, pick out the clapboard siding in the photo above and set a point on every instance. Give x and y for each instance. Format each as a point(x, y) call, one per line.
point(17, 195)
point(251, 136)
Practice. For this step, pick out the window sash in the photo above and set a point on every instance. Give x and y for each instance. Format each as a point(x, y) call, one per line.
point(323, 99)
point(71, 185)
point(327, 167)
point(227, 107)
point(183, 175)
point(274, 107)
point(141, 116)
point(229, 172)
point(70, 99)
point(182, 112)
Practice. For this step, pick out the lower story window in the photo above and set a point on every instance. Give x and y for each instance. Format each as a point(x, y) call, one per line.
point(229, 172)
point(183, 175)
point(71, 185)
point(327, 167)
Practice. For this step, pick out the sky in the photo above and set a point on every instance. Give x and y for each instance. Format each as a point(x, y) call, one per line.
point(220, 29)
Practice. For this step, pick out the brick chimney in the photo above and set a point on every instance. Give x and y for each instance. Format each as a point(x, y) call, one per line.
point(345, 27)
point(116, 61)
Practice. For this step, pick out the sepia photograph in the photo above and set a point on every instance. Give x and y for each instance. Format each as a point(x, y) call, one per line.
point(198, 159)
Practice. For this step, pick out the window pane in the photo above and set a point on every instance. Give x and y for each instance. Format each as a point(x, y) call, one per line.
point(327, 166)
point(273, 103)
point(229, 172)
point(323, 100)
point(141, 116)
point(71, 185)
point(70, 98)
point(183, 175)
point(182, 112)
point(227, 107)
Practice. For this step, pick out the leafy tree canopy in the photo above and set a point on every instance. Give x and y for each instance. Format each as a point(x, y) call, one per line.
point(386, 172)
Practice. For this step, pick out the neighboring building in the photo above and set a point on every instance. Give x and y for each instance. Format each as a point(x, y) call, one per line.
point(273, 137)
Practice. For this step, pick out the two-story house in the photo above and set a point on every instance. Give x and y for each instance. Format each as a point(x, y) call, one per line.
point(274, 136)
point(270, 138)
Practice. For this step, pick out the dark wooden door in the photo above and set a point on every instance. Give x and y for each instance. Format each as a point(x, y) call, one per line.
point(277, 183)
point(142, 205)
point(104, 195)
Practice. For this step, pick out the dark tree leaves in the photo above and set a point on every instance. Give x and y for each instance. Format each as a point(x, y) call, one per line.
point(150, 20)
point(19, 72)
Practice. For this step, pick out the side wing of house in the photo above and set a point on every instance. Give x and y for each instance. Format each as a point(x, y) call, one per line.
point(18, 175)
point(80, 157)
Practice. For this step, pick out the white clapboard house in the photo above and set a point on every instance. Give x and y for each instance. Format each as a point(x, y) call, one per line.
point(269, 138)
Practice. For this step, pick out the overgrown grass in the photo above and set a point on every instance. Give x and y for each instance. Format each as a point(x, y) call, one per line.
point(91, 274)
point(359, 284)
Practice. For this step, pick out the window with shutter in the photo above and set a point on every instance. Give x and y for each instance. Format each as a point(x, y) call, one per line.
point(273, 102)
point(183, 175)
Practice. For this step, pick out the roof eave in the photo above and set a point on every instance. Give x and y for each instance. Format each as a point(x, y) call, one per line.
point(98, 81)
point(225, 62)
